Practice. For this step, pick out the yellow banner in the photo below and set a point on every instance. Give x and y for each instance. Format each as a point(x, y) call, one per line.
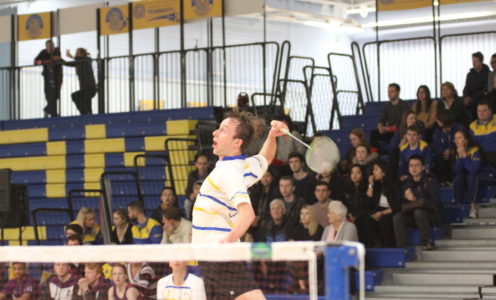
point(34, 26)
point(458, 1)
point(387, 5)
point(196, 9)
point(114, 20)
point(151, 14)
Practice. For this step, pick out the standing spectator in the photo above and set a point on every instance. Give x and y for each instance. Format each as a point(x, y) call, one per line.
point(285, 143)
point(91, 230)
point(190, 201)
point(122, 289)
point(145, 230)
point(339, 229)
point(484, 132)
point(142, 276)
point(259, 136)
point(201, 171)
point(181, 284)
point(176, 228)
point(122, 232)
point(492, 75)
point(87, 84)
point(421, 205)
point(168, 199)
point(426, 110)
point(52, 76)
point(93, 286)
point(322, 194)
point(414, 145)
point(22, 286)
point(385, 193)
point(475, 84)
point(304, 182)
point(467, 164)
point(261, 193)
point(292, 202)
point(390, 117)
point(62, 284)
point(452, 103)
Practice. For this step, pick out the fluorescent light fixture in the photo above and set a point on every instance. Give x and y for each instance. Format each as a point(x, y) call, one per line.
point(335, 26)
point(420, 20)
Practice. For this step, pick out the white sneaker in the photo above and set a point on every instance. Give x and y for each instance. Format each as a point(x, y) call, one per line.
point(473, 213)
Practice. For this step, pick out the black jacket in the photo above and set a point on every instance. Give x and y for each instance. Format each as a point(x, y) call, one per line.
point(84, 71)
point(427, 189)
point(392, 192)
point(476, 83)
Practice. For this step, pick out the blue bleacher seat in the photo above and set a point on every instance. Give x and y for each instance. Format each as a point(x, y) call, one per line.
point(388, 257)
point(21, 150)
point(455, 213)
point(372, 278)
point(134, 144)
point(28, 177)
point(435, 233)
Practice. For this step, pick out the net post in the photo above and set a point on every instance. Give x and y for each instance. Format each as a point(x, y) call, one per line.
point(338, 260)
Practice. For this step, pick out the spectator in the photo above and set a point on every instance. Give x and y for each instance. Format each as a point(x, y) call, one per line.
point(334, 183)
point(73, 229)
point(483, 130)
point(22, 286)
point(492, 75)
point(414, 145)
point(286, 144)
point(201, 171)
point(390, 117)
point(74, 240)
point(122, 232)
point(339, 229)
point(452, 103)
point(275, 229)
point(91, 230)
point(292, 202)
point(87, 84)
point(385, 193)
point(364, 157)
point(467, 163)
point(322, 194)
point(421, 204)
point(357, 137)
point(304, 182)
point(475, 84)
point(62, 284)
point(167, 199)
point(176, 228)
point(52, 76)
point(93, 286)
point(180, 283)
point(443, 146)
point(142, 276)
point(259, 136)
point(426, 110)
point(399, 137)
point(145, 230)
point(261, 193)
point(121, 289)
point(190, 201)
point(491, 95)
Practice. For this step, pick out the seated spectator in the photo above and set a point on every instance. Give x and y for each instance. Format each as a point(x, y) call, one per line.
point(62, 284)
point(200, 172)
point(259, 136)
point(339, 229)
point(421, 205)
point(190, 201)
point(181, 284)
point(384, 190)
point(304, 182)
point(465, 169)
point(452, 103)
point(492, 75)
point(73, 229)
point(91, 230)
point(121, 288)
point(285, 143)
point(275, 229)
point(93, 285)
point(261, 193)
point(414, 145)
point(475, 84)
point(364, 157)
point(357, 137)
point(145, 230)
point(399, 138)
point(22, 286)
point(167, 199)
point(334, 181)
point(322, 194)
point(443, 147)
point(74, 240)
point(176, 228)
point(390, 117)
point(426, 110)
point(483, 130)
point(142, 276)
point(122, 232)
point(292, 202)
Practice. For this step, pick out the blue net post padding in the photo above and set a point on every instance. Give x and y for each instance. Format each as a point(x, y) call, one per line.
point(338, 261)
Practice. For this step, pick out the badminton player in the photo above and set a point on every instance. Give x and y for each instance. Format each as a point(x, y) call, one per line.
point(223, 212)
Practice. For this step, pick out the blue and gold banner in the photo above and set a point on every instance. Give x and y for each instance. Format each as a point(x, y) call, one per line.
point(197, 9)
point(388, 5)
point(152, 14)
point(114, 20)
point(34, 26)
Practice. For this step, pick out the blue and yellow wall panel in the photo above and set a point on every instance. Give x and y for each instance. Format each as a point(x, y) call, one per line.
point(34, 163)
point(23, 136)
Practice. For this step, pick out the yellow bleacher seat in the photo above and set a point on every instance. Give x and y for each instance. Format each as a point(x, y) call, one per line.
point(93, 174)
point(180, 127)
point(33, 163)
point(55, 176)
point(104, 145)
point(56, 148)
point(23, 136)
point(129, 159)
point(95, 131)
point(55, 190)
point(157, 143)
point(94, 160)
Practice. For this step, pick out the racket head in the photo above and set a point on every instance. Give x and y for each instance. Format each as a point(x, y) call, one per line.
point(323, 156)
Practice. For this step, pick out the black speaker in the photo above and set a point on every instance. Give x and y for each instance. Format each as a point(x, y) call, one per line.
point(5, 193)
point(18, 213)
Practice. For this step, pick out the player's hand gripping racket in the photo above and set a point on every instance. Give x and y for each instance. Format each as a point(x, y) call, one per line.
point(322, 154)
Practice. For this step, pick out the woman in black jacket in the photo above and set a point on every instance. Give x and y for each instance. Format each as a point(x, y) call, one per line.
point(87, 84)
point(385, 193)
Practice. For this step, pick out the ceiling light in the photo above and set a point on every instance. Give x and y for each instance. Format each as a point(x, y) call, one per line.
point(420, 20)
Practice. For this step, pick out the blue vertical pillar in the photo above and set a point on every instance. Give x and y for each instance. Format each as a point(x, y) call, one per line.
point(338, 260)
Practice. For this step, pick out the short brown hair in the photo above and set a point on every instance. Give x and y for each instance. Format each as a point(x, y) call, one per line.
point(244, 130)
point(94, 266)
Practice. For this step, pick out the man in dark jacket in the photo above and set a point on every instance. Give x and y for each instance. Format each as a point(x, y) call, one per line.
point(423, 189)
point(52, 76)
point(87, 84)
point(476, 84)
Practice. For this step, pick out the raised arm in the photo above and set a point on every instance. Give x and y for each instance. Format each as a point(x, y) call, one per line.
point(270, 146)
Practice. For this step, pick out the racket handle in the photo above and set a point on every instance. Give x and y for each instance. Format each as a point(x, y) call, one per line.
point(283, 130)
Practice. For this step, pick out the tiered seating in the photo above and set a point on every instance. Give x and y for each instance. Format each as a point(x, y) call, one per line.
point(55, 156)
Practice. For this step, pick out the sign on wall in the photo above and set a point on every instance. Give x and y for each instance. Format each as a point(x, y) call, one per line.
point(114, 20)
point(34, 26)
point(196, 9)
point(151, 14)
